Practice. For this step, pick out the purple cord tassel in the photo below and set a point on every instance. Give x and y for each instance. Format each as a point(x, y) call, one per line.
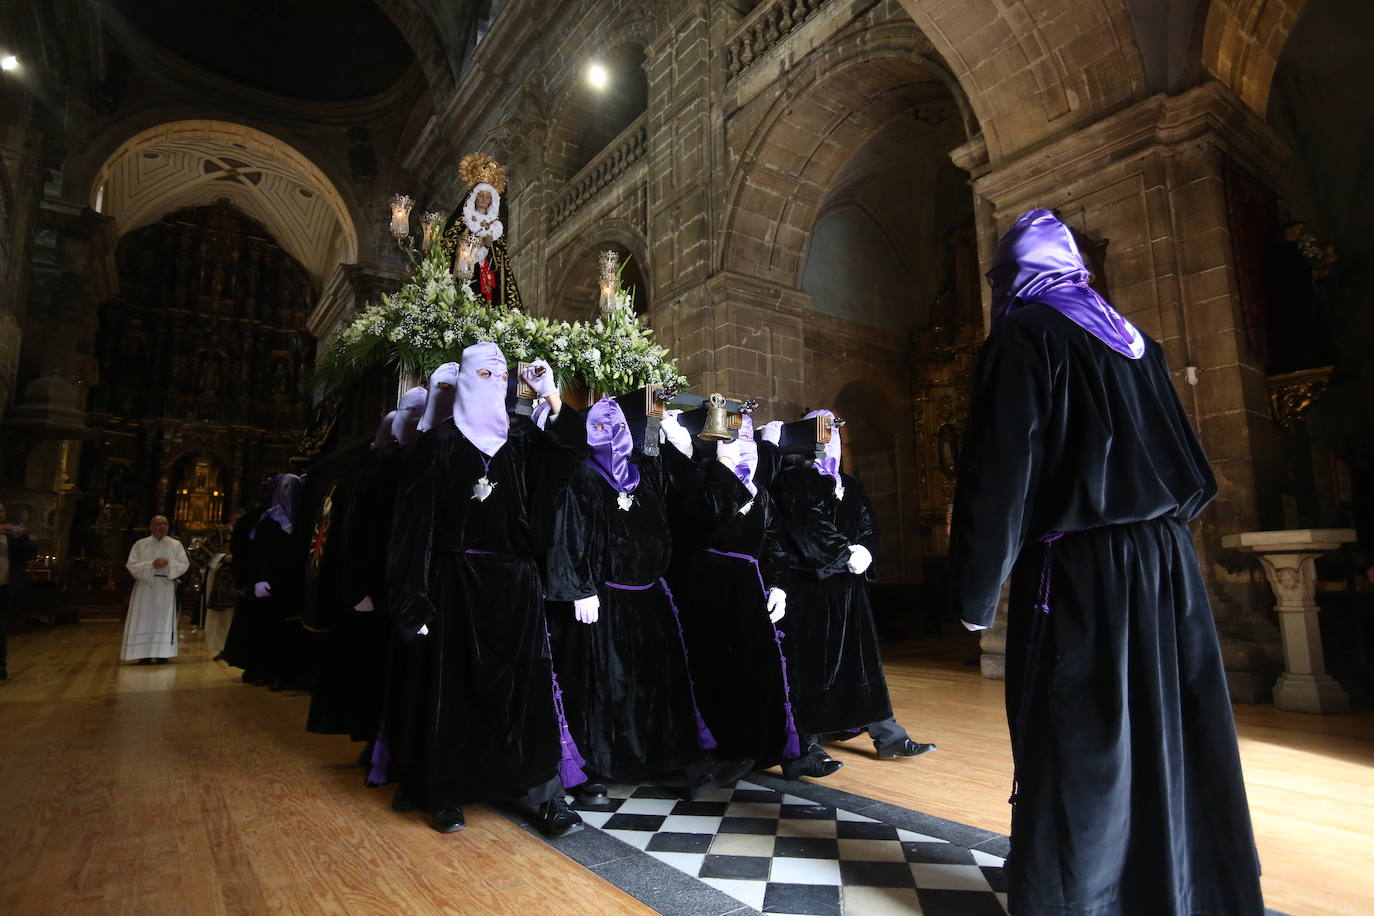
point(571, 761)
point(381, 761)
point(705, 740)
point(791, 749)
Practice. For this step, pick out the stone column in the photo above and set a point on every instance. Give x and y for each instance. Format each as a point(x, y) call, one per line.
point(1289, 561)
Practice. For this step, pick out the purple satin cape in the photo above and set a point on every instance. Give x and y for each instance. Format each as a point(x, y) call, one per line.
point(829, 465)
point(608, 437)
point(1038, 261)
point(283, 507)
point(480, 408)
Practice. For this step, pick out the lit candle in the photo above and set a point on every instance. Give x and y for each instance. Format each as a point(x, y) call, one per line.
point(400, 215)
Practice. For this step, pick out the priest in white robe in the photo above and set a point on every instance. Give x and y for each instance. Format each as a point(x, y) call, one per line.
point(156, 562)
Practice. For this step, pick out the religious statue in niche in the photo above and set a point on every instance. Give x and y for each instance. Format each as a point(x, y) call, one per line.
point(1299, 326)
point(474, 233)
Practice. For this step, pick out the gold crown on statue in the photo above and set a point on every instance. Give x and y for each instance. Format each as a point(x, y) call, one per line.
point(476, 168)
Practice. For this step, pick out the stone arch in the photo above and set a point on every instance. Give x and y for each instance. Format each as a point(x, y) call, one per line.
point(1242, 41)
point(1032, 68)
point(585, 120)
point(180, 164)
point(793, 156)
point(572, 277)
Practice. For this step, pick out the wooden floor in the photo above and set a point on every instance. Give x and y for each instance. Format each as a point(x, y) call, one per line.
point(176, 789)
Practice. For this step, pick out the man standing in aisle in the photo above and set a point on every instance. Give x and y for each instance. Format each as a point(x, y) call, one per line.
point(15, 552)
point(156, 562)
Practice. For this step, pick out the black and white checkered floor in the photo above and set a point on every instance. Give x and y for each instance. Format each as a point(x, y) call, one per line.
point(771, 846)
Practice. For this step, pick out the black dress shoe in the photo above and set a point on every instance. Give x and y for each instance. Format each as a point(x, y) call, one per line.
point(449, 820)
point(716, 774)
point(591, 795)
point(557, 819)
point(401, 801)
point(145, 661)
point(817, 764)
point(163, 661)
point(903, 748)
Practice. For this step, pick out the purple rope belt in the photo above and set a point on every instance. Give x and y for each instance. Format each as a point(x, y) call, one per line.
point(792, 748)
point(705, 739)
point(1034, 646)
point(570, 761)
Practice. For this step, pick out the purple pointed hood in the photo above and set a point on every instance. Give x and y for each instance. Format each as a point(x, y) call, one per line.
point(285, 490)
point(439, 400)
point(608, 437)
point(829, 464)
point(748, 455)
point(406, 416)
point(384, 434)
point(480, 409)
point(1038, 261)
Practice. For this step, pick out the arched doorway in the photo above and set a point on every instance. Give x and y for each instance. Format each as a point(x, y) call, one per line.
point(577, 293)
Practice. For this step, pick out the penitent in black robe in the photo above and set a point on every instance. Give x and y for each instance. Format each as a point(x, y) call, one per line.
point(350, 679)
point(470, 711)
point(247, 643)
point(1130, 794)
point(626, 688)
point(723, 564)
point(832, 645)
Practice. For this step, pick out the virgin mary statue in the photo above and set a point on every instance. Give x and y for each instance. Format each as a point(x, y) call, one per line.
point(473, 235)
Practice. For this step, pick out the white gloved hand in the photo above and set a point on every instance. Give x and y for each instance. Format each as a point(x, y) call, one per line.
point(972, 627)
point(675, 434)
point(365, 605)
point(727, 453)
point(587, 610)
point(777, 604)
point(770, 431)
point(543, 385)
point(423, 631)
point(859, 559)
point(262, 590)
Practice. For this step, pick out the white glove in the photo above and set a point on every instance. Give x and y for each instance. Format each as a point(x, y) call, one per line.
point(859, 559)
point(777, 604)
point(423, 631)
point(364, 605)
point(673, 432)
point(262, 590)
point(588, 609)
point(972, 627)
point(543, 385)
point(727, 453)
point(771, 431)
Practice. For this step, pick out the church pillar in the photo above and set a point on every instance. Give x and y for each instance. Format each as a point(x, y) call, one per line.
point(1152, 180)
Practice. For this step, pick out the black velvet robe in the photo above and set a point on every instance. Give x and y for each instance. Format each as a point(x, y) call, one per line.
point(247, 645)
point(737, 664)
point(1130, 792)
point(351, 676)
point(279, 559)
point(626, 689)
point(831, 643)
point(470, 711)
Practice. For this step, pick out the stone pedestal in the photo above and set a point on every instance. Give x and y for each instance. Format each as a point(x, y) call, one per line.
point(1289, 561)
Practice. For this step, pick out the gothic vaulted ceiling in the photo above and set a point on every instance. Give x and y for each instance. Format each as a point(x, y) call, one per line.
point(194, 163)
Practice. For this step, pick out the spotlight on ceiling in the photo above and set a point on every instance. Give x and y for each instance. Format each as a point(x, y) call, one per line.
point(9, 62)
point(597, 76)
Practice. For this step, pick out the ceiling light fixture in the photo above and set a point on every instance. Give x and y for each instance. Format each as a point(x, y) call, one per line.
point(9, 62)
point(597, 76)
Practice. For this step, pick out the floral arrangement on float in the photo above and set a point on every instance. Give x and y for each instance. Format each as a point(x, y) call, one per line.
point(460, 291)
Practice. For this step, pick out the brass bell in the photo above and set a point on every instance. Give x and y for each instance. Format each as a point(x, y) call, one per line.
point(717, 425)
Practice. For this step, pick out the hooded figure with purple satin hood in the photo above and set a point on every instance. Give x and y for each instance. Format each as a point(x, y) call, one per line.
point(1078, 476)
point(829, 539)
point(350, 683)
point(725, 568)
point(620, 652)
point(277, 582)
point(471, 713)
